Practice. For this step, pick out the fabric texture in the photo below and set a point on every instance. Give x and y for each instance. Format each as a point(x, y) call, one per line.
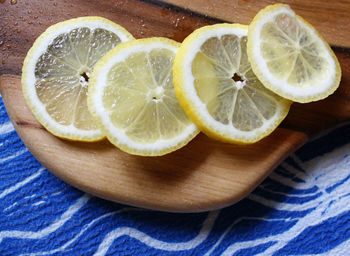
point(302, 208)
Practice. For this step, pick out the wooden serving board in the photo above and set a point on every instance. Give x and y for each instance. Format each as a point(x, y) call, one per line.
point(205, 174)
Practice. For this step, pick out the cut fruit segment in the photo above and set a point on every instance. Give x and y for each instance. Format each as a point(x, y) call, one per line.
point(290, 57)
point(56, 71)
point(218, 90)
point(131, 96)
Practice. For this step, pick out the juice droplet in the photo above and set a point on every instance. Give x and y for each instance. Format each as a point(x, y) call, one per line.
point(13, 2)
point(1, 42)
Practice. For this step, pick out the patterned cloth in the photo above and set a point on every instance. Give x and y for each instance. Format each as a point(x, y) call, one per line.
point(303, 208)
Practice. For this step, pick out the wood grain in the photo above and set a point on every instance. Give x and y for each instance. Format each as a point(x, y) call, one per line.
point(331, 18)
point(204, 175)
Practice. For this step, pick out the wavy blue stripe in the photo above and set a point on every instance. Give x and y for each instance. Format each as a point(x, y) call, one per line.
point(279, 187)
point(15, 170)
point(325, 144)
point(254, 250)
point(336, 185)
point(286, 198)
point(3, 114)
point(326, 236)
point(10, 143)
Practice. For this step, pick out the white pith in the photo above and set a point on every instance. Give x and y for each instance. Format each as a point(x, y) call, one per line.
point(281, 86)
point(117, 135)
point(197, 106)
point(38, 49)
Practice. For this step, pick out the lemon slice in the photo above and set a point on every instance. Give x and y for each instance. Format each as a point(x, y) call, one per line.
point(290, 57)
point(218, 90)
point(56, 70)
point(131, 96)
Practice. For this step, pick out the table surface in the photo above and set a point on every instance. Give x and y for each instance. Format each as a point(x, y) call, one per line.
point(303, 207)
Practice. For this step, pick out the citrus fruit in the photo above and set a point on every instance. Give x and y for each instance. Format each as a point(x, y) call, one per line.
point(56, 70)
point(290, 57)
point(218, 90)
point(131, 96)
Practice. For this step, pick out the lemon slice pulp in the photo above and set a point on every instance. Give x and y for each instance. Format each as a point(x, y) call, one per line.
point(131, 96)
point(218, 90)
point(290, 57)
point(56, 70)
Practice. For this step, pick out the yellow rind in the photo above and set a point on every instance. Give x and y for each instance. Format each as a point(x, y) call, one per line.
point(190, 108)
point(258, 72)
point(25, 75)
point(93, 91)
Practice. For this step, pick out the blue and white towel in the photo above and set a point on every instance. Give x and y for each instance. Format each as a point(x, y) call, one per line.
point(303, 208)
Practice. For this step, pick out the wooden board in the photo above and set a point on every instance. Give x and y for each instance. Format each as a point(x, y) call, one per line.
point(205, 174)
point(202, 176)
